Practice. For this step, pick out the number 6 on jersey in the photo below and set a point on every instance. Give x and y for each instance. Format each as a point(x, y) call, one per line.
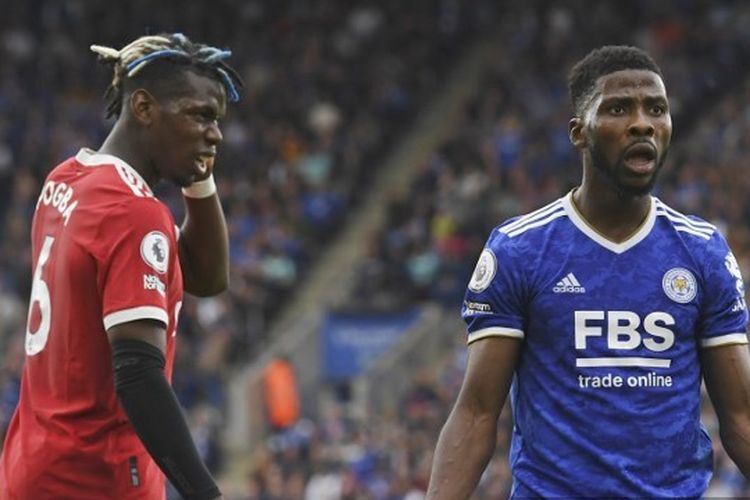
point(35, 341)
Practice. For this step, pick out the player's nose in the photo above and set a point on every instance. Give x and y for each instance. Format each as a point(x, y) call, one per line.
point(214, 135)
point(641, 124)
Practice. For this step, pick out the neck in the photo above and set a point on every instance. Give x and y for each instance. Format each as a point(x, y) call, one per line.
point(124, 144)
point(614, 215)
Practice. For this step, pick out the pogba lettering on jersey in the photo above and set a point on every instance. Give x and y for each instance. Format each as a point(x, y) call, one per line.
point(60, 196)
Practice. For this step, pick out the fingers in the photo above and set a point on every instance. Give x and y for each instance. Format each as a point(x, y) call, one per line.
point(206, 166)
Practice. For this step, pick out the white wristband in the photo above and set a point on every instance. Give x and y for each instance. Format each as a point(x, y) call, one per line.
point(200, 189)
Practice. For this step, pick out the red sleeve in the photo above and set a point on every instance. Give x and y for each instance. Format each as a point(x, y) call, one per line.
point(137, 258)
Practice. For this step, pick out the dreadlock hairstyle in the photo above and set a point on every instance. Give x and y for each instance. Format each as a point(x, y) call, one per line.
point(603, 61)
point(150, 60)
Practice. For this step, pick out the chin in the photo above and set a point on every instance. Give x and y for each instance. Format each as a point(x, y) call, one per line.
point(637, 189)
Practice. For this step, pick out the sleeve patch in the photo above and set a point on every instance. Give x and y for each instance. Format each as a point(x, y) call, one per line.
point(477, 307)
point(155, 251)
point(483, 272)
point(730, 262)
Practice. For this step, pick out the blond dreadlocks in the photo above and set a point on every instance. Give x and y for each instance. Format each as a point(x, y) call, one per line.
point(130, 60)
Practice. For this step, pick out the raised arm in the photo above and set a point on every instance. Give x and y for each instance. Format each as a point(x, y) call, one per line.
point(467, 440)
point(204, 246)
point(726, 370)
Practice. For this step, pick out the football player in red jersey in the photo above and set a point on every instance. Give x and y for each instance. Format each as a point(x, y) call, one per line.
point(97, 417)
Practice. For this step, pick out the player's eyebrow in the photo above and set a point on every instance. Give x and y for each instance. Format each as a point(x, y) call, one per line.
point(627, 99)
point(207, 109)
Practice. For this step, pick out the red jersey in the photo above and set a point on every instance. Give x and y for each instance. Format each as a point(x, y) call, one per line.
point(104, 252)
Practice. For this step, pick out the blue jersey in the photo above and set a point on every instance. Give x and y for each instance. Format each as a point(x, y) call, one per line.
point(606, 395)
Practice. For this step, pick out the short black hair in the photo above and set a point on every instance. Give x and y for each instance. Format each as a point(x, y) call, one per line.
point(165, 79)
point(603, 61)
point(160, 63)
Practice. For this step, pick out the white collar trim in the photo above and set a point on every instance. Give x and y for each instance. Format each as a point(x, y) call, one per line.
point(90, 158)
point(589, 231)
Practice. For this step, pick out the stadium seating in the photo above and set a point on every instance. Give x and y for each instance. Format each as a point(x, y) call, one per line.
point(331, 86)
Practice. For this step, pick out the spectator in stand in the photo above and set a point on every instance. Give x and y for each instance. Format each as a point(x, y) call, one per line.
point(300, 57)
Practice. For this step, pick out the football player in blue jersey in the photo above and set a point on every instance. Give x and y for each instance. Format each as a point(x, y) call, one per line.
point(601, 313)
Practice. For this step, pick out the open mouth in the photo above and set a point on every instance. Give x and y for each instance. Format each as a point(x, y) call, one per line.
point(640, 158)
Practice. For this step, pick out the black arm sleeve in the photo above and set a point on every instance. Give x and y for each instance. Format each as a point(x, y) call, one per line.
point(155, 414)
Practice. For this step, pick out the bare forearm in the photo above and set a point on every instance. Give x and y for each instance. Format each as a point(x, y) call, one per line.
point(736, 441)
point(465, 446)
point(204, 247)
point(727, 374)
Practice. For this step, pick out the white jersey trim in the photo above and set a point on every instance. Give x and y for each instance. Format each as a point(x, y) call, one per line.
point(130, 176)
point(684, 223)
point(531, 217)
point(732, 338)
point(536, 223)
point(696, 224)
point(494, 331)
point(589, 231)
point(136, 313)
point(699, 234)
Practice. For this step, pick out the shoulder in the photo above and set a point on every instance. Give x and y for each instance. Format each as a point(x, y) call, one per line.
point(111, 176)
point(693, 229)
point(524, 232)
point(702, 239)
point(518, 244)
point(117, 188)
point(118, 198)
point(529, 224)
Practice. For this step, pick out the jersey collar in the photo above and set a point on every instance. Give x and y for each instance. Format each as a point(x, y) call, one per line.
point(90, 158)
point(578, 221)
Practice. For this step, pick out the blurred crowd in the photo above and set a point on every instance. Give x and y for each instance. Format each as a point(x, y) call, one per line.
point(340, 456)
point(330, 86)
point(386, 456)
point(509, 153)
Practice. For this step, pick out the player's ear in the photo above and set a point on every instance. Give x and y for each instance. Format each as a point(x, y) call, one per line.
point(142, 106)
point(577, 132)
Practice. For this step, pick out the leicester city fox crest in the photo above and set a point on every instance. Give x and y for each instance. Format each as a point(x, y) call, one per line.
point(680, 285)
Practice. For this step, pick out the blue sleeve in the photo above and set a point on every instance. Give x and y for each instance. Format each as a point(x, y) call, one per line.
point(723, 310)
point(493, 300)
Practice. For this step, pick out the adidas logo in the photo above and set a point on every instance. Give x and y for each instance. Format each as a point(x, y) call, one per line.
point(569, 284)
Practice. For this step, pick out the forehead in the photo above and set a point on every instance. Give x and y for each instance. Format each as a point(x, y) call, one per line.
point(630, 82)
point(202, 89)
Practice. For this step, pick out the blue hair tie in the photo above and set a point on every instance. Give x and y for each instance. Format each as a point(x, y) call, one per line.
point(219, 55)
point(179, 36)
point(234, 96)
point(214, 55)
point(154, 55)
